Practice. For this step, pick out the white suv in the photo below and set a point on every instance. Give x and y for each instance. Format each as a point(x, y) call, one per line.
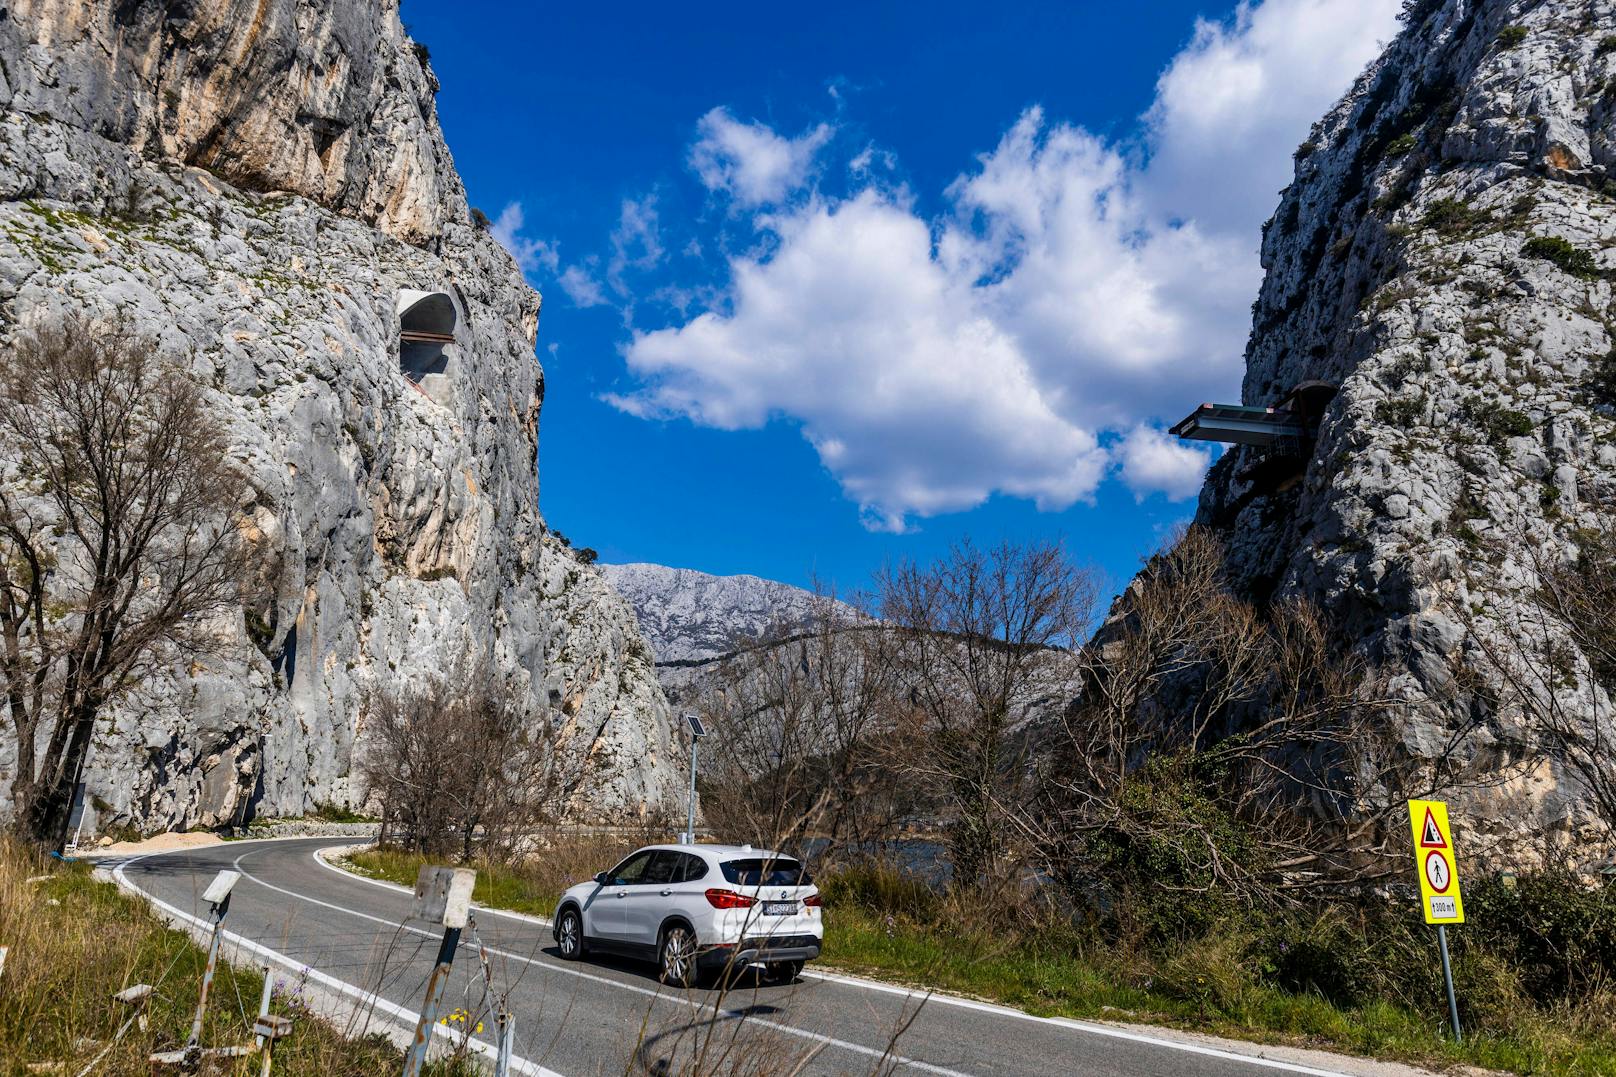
point(697, 907)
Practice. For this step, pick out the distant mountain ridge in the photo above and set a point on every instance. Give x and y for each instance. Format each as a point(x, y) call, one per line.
point(690, 616)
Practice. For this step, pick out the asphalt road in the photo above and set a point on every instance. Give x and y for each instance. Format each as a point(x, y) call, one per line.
point(604, 1016)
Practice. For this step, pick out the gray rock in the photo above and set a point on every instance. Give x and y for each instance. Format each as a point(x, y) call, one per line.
point(1401, 279)
point(694, 616)
point(254, 184)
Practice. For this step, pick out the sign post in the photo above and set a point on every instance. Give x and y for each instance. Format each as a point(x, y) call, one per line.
point(1437, 865)
point(442, 895)
point(697, 731)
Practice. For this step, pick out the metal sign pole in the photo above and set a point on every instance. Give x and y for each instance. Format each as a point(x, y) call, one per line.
point(1447, 980)
point(442, 895)
point(217, 895)
point(690, 815)
point(697, 731)
point(415, 1062)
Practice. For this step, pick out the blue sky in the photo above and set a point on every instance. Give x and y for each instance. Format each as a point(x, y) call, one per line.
point(828, 286)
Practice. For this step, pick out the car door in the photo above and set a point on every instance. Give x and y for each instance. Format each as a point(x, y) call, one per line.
point(606, 917)
point(649, 900)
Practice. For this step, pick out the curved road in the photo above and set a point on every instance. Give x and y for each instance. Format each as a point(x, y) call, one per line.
point(604, 1016)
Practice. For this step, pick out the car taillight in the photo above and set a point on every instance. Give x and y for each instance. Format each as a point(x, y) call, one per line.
point(729, 899)
point(812, 901)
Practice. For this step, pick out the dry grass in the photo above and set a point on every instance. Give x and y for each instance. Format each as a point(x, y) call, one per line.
point(73, 942)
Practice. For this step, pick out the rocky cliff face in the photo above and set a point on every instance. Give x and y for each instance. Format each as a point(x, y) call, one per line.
point(255, 184)
point(1443, 257)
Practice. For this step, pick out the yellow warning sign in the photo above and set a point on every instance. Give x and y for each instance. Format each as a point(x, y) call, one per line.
point(1435, 862)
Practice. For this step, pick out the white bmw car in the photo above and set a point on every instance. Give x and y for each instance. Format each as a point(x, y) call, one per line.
point(695, 908)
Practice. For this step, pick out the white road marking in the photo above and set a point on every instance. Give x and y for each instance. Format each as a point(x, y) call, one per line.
point(817, 1037)
point(847, 981)
point(952, 1000)
point(319, 858)
point(367, 998)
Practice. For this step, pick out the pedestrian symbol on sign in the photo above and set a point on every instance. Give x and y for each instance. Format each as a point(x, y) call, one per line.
point(1436, 871)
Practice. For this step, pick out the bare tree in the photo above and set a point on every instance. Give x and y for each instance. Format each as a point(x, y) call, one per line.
point(457, 763)
point(1241, 748)
point(803, 713)
point(983, 638)
point(1554, 659)
point(116, 541)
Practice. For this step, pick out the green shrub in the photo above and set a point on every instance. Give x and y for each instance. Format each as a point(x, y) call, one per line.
point(1573, 260)
point(1400, 145)
point(1606, 44)
point(1148, 878)
point(1401, 412)
point(480, 219)
point(1344, 955)
point(1510, 36)
point(1449, 216)
point(1558, 934)
point(1305, 150)
point(1601, 380)
point(881, 889)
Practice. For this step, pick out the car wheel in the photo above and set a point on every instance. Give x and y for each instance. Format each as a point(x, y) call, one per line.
point(570, 935)
point(785, 972)
point(676, 957)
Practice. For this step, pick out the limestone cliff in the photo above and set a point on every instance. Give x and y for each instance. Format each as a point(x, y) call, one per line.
point(1443, 257)
point(263, 186)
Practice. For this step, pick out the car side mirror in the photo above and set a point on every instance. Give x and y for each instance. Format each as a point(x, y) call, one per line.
point(600, 878)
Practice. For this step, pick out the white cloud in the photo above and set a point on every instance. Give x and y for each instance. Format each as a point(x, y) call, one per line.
point(750, 161)
point(1153, 463)
point(1074, 287)
point(582, 288)
point(636, 241)
point(530, 254)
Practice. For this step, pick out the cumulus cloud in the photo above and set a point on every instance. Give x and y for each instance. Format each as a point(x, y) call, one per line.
point(530, 254)
point(1153, 462)
point(1071, 288)
point(750, 161)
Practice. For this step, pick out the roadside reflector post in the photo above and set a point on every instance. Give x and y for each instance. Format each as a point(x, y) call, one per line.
point(507, 1034)
point(268, 1029)
point(1436, 864)
point(442, 895)
point(263, 1004)
point(217, 895)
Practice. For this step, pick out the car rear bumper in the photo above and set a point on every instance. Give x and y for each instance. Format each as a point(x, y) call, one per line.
point(761, 951)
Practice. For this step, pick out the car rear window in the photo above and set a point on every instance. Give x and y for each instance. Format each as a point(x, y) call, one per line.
point(757, 872)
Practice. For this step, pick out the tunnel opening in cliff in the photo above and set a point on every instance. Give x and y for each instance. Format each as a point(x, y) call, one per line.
point(426, 338)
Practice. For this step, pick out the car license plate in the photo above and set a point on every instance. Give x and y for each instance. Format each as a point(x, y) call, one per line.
point(779, 908)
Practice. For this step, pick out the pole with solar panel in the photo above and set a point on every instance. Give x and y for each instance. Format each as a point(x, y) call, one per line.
point(697, 731)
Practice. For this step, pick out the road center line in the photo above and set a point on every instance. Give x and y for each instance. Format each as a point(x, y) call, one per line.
point(950, 1000)
point(790, 1030)
point(907, 993)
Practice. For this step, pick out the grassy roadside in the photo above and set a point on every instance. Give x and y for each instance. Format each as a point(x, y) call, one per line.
point(1207, 986)
point(73, 942)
